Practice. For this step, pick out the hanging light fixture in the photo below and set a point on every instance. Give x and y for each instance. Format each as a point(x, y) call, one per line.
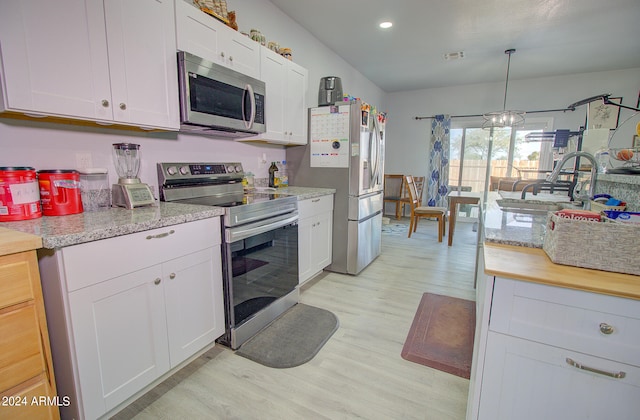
point(504, 118)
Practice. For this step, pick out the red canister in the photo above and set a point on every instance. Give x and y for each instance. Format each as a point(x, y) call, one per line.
point(60, 192)
point(19, 194)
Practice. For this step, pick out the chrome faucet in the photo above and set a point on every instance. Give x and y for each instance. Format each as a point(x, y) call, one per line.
point(553, 178)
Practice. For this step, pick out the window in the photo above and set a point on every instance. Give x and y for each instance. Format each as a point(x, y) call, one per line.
point(511, 155)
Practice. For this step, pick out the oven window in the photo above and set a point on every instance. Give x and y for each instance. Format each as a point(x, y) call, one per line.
point(264, 268)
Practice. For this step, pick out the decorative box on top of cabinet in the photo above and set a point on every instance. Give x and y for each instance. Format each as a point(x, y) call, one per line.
point(131, 308)
point(559, 353)
point(315, 236)
point(114, 63)
point(208, 38)
point(27, 380)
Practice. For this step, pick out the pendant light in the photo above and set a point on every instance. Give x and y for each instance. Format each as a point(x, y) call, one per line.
point(504, 118)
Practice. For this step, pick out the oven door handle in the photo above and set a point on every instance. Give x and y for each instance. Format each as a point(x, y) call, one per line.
point(239, 233)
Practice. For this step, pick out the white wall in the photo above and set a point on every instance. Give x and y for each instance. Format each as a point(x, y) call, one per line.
point(54, 146)
point(407, 138)
point(307, 50)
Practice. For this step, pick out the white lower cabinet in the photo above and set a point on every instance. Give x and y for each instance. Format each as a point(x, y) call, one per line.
point(137, 306)
point(120, 335)
point(315, 236)
point(529, 380)
point(547, 352)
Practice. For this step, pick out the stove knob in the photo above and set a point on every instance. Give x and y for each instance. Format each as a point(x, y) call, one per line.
point(184, 170)
point(231, 169)
point(238, 168)
point(172, 170)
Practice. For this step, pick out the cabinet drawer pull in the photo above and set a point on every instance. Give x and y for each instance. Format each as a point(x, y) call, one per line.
point(617, 375)
point(157, 281)
point(172, 276)
point(161, 235)
point(123, 106)
point(105, 103)
point(606, 328)
point(315, 200)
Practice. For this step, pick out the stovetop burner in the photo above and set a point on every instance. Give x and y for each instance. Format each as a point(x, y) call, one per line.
point(235, 199)
point(220, 184)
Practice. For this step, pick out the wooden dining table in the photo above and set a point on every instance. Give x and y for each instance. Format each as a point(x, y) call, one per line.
point(455, 198)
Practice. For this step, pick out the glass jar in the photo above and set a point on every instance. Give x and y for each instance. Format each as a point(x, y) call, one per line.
point(94, 189)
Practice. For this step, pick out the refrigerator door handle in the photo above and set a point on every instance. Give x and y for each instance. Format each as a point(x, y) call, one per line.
point(374, 148)
point(364, 219)
point(367, 195)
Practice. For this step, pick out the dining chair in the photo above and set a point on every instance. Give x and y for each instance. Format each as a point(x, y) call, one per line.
point(419, 181)
point(393, 189)
point(418, 211)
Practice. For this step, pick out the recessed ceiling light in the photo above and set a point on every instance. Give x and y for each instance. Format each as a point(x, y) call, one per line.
point(454, 55)
point(386, 25)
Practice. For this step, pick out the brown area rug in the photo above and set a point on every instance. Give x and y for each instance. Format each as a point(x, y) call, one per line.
point(441, 335)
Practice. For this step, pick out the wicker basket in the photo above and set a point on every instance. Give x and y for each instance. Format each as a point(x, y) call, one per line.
point(603, 246)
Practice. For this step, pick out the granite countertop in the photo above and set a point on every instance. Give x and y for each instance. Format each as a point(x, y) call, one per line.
point(512, 228)
point(73, 229)
point(303, 193)
point(620, 179)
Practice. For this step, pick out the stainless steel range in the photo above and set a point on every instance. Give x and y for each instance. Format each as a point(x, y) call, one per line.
point(260, 242)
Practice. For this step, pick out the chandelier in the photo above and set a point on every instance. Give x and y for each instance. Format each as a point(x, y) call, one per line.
point(504, 118)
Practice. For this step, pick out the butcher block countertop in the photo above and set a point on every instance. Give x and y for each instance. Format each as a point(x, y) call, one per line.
point(12, 242)
point(533, 264)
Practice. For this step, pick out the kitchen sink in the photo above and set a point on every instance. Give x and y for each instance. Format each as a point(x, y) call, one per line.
point(532, 206)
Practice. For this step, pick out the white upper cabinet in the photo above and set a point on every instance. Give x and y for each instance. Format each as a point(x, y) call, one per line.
point(49, 60)
point(212, 40)
point(110, 61)
point(286, 97)
point(143, 62)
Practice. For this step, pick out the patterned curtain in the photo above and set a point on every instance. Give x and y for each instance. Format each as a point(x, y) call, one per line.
point(438, 183)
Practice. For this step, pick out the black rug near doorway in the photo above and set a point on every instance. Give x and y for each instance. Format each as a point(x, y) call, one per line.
point(293, 339)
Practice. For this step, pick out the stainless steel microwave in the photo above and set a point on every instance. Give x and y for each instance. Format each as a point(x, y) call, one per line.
point(218, 101)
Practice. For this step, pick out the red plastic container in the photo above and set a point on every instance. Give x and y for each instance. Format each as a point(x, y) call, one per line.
point(60, 192)
point(19, 194)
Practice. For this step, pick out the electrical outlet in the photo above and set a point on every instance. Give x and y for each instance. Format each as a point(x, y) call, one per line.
point(262, 161)
point(83, 160)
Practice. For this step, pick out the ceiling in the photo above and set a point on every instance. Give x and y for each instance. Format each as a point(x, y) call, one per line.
point(551, 37)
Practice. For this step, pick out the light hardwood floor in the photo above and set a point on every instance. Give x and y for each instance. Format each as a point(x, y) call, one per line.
point(359, 373)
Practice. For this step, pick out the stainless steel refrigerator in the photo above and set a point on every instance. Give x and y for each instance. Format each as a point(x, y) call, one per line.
point(345, 151)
